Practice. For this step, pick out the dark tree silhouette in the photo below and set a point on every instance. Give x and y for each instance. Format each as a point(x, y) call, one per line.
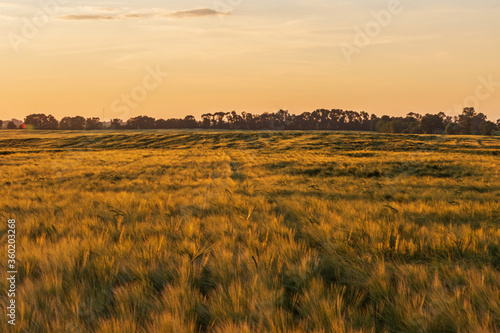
point(72, 123)
point(141, 122)
point(65, 123)
point(466, 119)
point(409, 124)
point(206, 120)
point(41, 121)
point(432, 124)
point(452, 129)
point(190, 122)
point(11, 125)
point(116, 124)
point(416, 116)
point(487, 128)
point(50, 123)
point(469, 122)
point(477, 123)
point(93, 124)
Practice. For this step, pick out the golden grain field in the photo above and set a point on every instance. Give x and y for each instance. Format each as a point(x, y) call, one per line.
point(200, 231)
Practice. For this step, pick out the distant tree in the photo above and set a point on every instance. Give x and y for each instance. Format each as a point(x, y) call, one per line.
point(116, 124)
point(281, 120)
point(487, 128)
point(382, 124)
point(235, 120)
point(446, 119)
point(1, 124)
point(415, 128)
point(207, 120)
point(141, 122)
point(78, 123)
point(432, 123)
point(11, 125)
point(373, 122)
point(466, 119)
point(65, 123)
point(220, 119)
point(469, 122)
point(190, 122)
point(387, 124)
point(453, 129)
point(247, 120)
point(416, 116)
point(42, 121)
point(72, 123)
point(161, 123)
point(397, 126)
point(172, 123)
point(93, 124)
point(477, 123)
point(50, 123)
point(37, 120)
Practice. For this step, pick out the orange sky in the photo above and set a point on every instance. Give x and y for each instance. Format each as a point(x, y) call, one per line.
point(85, 58)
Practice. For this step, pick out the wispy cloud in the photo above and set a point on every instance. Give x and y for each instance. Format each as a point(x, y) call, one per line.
point(135, 16)
point(86, 17)
point(94, 9)
point(202, 12)
point(197, 13)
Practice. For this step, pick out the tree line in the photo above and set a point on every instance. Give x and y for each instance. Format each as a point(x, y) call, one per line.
point(469, 122)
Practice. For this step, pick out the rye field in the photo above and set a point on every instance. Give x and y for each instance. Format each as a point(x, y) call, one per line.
point(220, 231)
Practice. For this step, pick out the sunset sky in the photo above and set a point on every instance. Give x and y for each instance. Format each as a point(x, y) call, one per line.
point(247, 55)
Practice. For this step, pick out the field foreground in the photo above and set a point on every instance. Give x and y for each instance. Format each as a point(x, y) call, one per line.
point(184, 231)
